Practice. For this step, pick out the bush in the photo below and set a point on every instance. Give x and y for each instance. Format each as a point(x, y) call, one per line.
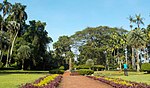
point(85, 71)
point(61, 68)
point(98, 67)
point(82, 67)
point(56, 71)
point(145, 67)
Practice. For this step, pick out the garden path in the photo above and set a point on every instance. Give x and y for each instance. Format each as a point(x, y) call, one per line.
point(81, 82)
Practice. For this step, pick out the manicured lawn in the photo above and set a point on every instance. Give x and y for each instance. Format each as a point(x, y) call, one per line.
point(133, 76)
point(14, 80)
point(145, 78)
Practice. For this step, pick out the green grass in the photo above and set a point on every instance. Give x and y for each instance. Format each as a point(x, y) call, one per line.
point(133, 76)
point(23, 71)
point(145, 78)
point(14, 80)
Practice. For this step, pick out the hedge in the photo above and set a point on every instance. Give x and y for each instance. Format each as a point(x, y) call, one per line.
point(95, 67)
point(98, 67)
point(85, 71)
point(82, 67)
point(56, 71)
point(145, 67)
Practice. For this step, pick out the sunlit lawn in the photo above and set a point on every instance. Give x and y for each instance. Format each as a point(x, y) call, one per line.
point(133, 76)
point(145, 78)
point(14, 80)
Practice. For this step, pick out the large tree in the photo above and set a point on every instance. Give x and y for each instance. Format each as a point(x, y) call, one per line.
point(93, 42)
point(62, 47)
point(37, 36)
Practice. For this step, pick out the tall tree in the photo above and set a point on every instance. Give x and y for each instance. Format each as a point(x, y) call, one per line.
point(14, 29)
point(37, 36)
point(132, 20)
point(17, 19)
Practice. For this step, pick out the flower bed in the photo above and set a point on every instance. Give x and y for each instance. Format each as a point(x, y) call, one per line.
point(119, 83)
point(49, 81)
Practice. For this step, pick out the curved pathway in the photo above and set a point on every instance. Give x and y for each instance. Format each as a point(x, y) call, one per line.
point(81, 82)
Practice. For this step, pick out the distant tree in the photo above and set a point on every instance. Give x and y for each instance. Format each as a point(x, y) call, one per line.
point(90, 63)
point(23, 53)
point(138, 20)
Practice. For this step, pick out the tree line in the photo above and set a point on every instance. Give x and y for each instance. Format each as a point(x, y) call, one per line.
point(108, 46)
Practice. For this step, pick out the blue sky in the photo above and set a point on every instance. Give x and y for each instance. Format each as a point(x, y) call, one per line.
point(65, 17)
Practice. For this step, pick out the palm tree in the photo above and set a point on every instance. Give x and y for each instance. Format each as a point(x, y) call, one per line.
point(138, 20)
point(15, 27)
point(136, 38)
point(5, 7)
point(24, 53)
point(18, 13)
point(132, 20)
point(17, 19)
point(4, 44)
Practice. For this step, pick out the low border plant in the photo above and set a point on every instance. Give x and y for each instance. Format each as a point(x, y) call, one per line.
point(49, 81)
point(119, 83)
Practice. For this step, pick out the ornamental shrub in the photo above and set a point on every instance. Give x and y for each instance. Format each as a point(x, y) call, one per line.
point(145, 67)
point(56, 71)
point(85, 71)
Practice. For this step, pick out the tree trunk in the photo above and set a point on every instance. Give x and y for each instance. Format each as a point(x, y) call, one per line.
point(12, 46)
point(114, 58)
point(22, 64)
point(70, 64)
point(7, 57)
point(120, 64)
point(1, 56)
point(137, 57)
point(133, 60)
